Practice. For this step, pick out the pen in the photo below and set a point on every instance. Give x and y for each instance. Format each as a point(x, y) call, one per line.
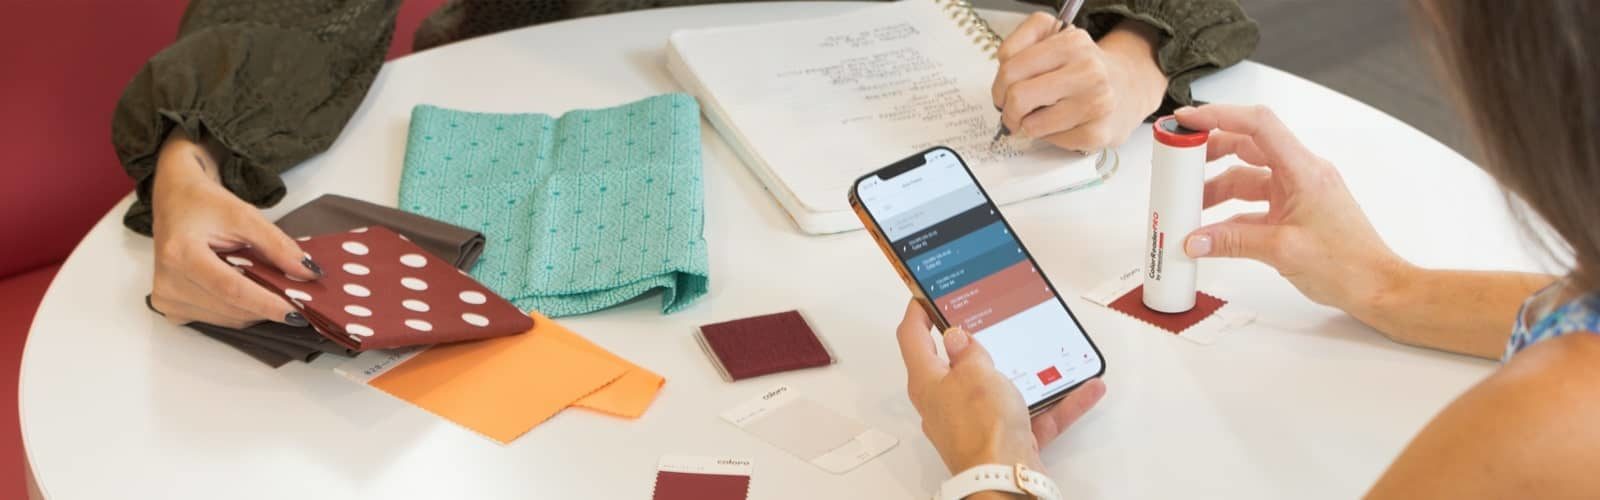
point(1064, 17)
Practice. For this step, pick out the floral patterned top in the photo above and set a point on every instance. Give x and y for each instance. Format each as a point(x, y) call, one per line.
point(1581, 314)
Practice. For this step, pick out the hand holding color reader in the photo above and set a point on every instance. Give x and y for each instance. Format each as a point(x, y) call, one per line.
point(1177, 192)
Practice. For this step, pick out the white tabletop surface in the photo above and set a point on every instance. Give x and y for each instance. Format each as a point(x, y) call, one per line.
point(1306, 403)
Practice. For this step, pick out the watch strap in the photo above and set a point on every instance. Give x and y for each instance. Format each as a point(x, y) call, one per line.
point(1004, 478)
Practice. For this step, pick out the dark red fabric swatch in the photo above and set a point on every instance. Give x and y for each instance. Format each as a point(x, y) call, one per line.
point(763, 345)
point(1132, 304)
point(687, 486)
point(381, 291)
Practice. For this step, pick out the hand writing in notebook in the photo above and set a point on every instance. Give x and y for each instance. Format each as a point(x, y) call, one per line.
point(866, 88)
point(1071, 91)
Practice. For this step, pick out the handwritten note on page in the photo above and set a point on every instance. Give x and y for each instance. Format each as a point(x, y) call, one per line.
point(824, 101)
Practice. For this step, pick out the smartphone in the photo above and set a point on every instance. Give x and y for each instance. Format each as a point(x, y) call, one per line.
point(966, 267)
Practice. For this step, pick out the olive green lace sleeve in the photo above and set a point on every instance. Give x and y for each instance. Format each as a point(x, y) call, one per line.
point(1198, 37)
point(268, 83)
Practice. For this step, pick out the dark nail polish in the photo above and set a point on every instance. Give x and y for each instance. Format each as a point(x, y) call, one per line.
point(295, 319)
point(152, 306)
point(311, 265)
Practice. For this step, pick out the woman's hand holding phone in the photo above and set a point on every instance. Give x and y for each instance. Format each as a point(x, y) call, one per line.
point(970, 412)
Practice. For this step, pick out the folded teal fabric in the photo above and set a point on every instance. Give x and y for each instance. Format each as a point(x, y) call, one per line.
point(581, 212)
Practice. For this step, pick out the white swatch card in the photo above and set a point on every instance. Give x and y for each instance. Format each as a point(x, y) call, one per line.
point(369, 365)
point(808, 430)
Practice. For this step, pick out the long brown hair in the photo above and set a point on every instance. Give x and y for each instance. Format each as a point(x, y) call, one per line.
point(1526, 76)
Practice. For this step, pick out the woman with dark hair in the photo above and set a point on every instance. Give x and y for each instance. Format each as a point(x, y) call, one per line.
point(1526, 75)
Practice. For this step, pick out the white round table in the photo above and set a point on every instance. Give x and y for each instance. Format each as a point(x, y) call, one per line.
point(1305, 403)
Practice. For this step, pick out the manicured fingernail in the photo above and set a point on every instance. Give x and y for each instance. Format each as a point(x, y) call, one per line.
point(152, 306)
point(1198, 245)
point(311, 265)
point(956, 335)
point(295, 319)
point(955, 339)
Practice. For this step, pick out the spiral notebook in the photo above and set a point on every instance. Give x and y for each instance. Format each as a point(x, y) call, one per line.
point(810, 105)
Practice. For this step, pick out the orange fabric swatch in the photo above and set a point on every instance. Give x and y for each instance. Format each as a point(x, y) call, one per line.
point(628, 396)
point(504, 387)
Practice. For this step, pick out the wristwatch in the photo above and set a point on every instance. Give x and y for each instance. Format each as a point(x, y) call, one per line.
point(1004, 478)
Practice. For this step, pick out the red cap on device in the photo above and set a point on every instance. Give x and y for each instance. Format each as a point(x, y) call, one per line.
point(1169, 132)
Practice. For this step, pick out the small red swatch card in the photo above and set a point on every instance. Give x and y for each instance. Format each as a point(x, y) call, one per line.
point(761, 345)
point(702, 478)
point(1207, 322)
point(1132, 304)
point(381, 291)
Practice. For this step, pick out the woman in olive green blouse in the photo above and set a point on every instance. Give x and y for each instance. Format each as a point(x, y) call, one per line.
point(250, 89)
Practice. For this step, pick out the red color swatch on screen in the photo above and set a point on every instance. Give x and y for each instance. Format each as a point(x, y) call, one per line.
point(1132, 304)
point(1048, 375)
point(994, 298)
point(691, 486)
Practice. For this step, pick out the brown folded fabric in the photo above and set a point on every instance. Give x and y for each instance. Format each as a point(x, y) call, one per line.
point(277, 344)
point(332, 213)
point(266, 350)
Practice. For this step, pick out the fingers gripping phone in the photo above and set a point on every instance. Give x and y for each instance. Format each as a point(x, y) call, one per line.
point(967, 268)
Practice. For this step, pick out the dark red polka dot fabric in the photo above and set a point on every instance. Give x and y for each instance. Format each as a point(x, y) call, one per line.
point(380, 291)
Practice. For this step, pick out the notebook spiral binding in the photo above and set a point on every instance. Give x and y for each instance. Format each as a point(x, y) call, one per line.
point(966, 16)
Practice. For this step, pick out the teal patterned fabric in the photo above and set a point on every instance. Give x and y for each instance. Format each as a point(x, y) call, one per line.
point(581, 212)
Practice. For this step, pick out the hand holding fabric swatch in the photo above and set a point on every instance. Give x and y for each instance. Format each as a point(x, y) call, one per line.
point(381, 291)
point(276, 344)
